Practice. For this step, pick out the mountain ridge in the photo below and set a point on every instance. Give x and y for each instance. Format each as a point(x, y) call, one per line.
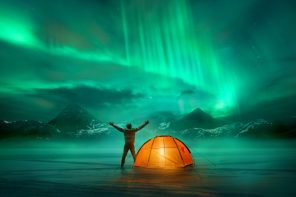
point(72, 119)
point(74, 122)
point(196, 118)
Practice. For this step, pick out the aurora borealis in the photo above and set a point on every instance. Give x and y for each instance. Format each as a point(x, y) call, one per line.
point(130, 58)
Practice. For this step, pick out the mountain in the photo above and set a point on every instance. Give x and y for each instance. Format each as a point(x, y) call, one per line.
point(196, 119)
point(237, 129)
point(74, 122)
point(96, 130)
point(161, 120)
point(72, 119)
point(253, 129)
point(27, 128)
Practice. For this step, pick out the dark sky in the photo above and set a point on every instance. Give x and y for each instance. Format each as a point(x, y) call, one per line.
point(129, 58)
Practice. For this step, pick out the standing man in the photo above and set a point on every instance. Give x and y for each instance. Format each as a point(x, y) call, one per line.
point(129, 137)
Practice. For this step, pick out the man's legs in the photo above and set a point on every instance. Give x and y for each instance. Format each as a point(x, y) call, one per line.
point(125, 150)
point(132, 148)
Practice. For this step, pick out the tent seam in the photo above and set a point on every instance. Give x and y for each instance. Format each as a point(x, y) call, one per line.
point(150, 152)
point(179, 152)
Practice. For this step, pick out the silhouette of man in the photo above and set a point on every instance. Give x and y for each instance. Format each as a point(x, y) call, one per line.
point(129, 137)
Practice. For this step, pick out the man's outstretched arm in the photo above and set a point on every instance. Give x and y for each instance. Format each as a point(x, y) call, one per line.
point(116, 127)
point(143, 125)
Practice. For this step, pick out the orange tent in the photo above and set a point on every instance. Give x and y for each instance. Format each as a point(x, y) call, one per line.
point(163, 152)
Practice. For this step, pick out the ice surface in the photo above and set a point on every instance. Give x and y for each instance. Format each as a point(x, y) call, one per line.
point(226, 168)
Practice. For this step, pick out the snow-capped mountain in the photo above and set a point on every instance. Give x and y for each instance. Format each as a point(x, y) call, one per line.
point(95, 128)
point(27, 128)
point(239, 129)
point(76, 122)
point(73, 120)
point(196, 119)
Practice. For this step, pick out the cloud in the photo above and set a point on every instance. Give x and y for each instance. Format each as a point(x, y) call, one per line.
point(275, 109)
point(22, 107)
point(87, 95)
point(200, 94)
point(187, 92)
point(44, 104)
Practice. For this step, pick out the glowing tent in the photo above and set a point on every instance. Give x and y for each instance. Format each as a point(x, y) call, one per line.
point(163, 152)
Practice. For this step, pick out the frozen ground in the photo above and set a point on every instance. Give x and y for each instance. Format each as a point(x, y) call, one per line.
point(223, 168)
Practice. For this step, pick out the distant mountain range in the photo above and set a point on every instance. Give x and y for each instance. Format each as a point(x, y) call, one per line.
point(72, 122)
point(72, 119)
point(27, 128)
point(238, 129)
point(76, 122)
point(196, 119)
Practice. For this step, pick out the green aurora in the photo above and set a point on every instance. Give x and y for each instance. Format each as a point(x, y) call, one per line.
point(131, 58)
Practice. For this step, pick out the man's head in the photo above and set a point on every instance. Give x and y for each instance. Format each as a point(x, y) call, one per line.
point(129, 126)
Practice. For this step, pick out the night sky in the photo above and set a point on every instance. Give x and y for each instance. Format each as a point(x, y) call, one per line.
point(128, 58)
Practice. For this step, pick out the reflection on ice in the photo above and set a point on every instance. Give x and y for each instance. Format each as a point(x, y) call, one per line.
point(222, 168)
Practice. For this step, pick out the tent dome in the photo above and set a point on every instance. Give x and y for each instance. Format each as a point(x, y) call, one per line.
point(163, 152)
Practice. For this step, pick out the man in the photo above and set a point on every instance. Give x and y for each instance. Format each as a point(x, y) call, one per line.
point(129, 137)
